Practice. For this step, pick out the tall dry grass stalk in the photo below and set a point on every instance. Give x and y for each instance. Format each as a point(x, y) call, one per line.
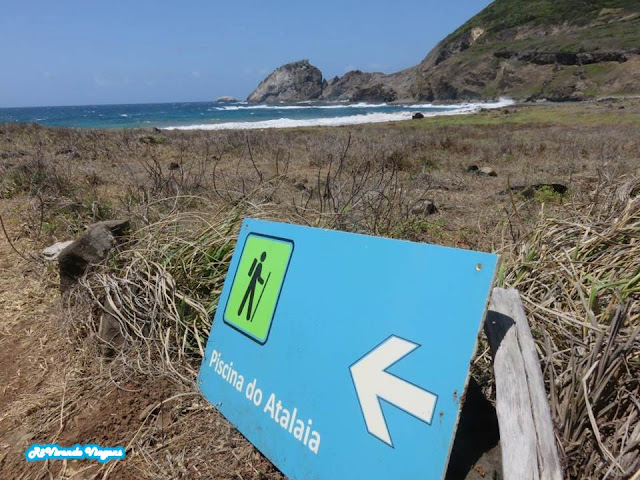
point(580, 282)
point(162, 287)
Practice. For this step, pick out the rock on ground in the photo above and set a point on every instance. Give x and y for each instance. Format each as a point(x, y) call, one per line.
point(90, 248)
point(52, 252)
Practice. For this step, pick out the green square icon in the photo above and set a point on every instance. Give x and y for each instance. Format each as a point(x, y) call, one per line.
point(257, 284)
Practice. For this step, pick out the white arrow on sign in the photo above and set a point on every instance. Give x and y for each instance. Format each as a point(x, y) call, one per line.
point(373, 383)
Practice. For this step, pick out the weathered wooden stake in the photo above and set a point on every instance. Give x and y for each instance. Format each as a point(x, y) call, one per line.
point(526, 432)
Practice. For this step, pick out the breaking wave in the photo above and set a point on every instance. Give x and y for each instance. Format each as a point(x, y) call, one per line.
point(405, 113)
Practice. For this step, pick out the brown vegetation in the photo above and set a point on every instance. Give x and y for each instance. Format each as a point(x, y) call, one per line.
point(573, 256)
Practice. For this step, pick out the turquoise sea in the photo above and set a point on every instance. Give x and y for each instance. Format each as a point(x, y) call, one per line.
point(238, 115)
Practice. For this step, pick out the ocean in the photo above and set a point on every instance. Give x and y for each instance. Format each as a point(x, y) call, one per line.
point(237, 115)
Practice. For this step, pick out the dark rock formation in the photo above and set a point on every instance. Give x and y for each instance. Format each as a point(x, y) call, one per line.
point(292, 82)
point(374, 93)
point(90, 249)
point(563, 58)
point(417, 116)
point(357, 86)
point(226, 99)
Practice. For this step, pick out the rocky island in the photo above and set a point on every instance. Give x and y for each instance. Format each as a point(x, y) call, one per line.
point(292, 82)
point(225, 99)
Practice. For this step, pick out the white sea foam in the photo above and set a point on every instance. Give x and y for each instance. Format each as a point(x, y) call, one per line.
point(438, 110)
point(299, 106)
point(289, 122)
point(503, 102)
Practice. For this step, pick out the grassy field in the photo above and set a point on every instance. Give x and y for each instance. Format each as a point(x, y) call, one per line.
point(573, 255)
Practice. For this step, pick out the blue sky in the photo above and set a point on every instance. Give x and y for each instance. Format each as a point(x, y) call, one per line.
point(74, 52)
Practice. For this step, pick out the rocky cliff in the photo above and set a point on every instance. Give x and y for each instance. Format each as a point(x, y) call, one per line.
point(524, 49)
point(531, 49)
point(292, 82)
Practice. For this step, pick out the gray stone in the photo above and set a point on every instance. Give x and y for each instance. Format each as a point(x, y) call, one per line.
point(52, 252)
point(424, 207)
point(90, 249)
point(417, 116)
point(487, 172)
point(226, 99)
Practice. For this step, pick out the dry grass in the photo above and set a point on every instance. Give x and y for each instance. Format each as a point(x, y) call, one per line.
point(579, 279)
point(163, 285)
point(580, 283)
point(575, 260)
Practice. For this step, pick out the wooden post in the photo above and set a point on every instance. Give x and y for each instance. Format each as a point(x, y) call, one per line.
point(527, 437)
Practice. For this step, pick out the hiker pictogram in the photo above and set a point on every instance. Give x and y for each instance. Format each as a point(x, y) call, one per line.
point(255, 272)
point(257, 284)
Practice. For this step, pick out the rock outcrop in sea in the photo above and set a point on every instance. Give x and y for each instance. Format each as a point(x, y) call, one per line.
point(293, 82)
point(301, 81)
point(357, 86)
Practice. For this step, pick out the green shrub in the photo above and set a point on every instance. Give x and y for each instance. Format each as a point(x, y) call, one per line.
point(153, 140)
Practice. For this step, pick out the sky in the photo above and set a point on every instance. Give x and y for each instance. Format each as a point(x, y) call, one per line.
point(91, 52)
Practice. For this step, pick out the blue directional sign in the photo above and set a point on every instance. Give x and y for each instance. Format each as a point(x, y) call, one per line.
point(345, 356)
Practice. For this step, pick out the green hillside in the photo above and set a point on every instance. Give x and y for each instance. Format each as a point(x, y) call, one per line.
point(561, 50)
point(505, 14)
